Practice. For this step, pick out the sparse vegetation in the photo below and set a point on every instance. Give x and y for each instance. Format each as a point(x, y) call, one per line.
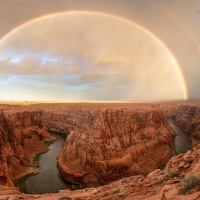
point(127, 180)
point(48, 142)
point(168, 176)
point(36, 158)
point(77, 187)
point(189, 184)
point(120, 195)
point(182, 176)
point(20, 183)
point(64, 197)
point(114, 191)
point(24, 189)
point(106, 194)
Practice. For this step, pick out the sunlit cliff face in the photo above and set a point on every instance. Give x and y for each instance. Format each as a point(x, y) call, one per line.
point(87, 57)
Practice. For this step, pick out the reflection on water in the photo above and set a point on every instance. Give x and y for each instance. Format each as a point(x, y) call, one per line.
point(48, 180)
point(182, 140)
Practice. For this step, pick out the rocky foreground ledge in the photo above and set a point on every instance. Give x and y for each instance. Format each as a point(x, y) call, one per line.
point(158, 185)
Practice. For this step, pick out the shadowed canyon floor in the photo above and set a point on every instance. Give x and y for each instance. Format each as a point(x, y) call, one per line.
point(182, 140)
point(48, 180)
point(113, 146)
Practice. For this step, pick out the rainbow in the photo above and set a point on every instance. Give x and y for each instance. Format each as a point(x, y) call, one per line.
point(182, 25)
point(156, 39)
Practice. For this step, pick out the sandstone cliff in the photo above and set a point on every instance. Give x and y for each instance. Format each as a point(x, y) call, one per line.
point(109, 144)
point(22, 136)
point(188, 118)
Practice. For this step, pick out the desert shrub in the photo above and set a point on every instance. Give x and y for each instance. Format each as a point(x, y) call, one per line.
point(106, 194)
point(120, 195)
point(126, 180)
point(64, 197)
point(170, 175)
point(167, 177)
point(77, 187)
point(36, 158)
point(114, 191)
point(182, 176)
point(189, 183)
point(24, 189)
point(48, 142)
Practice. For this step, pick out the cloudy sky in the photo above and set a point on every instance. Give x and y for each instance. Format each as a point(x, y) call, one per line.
point(86, 50)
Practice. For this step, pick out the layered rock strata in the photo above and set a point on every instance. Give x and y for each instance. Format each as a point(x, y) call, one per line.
point(109, 144)
point(22, 136)
point(188, 118)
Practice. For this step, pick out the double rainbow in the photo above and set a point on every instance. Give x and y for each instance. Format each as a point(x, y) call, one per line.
point(156, 39)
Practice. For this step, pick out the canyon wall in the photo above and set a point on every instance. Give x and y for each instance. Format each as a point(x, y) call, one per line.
point(103, 145)
point(22, 136)
point(62, 120)
point(106, 144)
point(188, 118)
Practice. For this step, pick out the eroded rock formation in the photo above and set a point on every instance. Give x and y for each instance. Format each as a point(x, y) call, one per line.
point(108, 144)
point(22, 136)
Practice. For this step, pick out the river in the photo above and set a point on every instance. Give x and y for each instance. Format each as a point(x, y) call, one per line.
point(48, 180)
point(182, 140)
